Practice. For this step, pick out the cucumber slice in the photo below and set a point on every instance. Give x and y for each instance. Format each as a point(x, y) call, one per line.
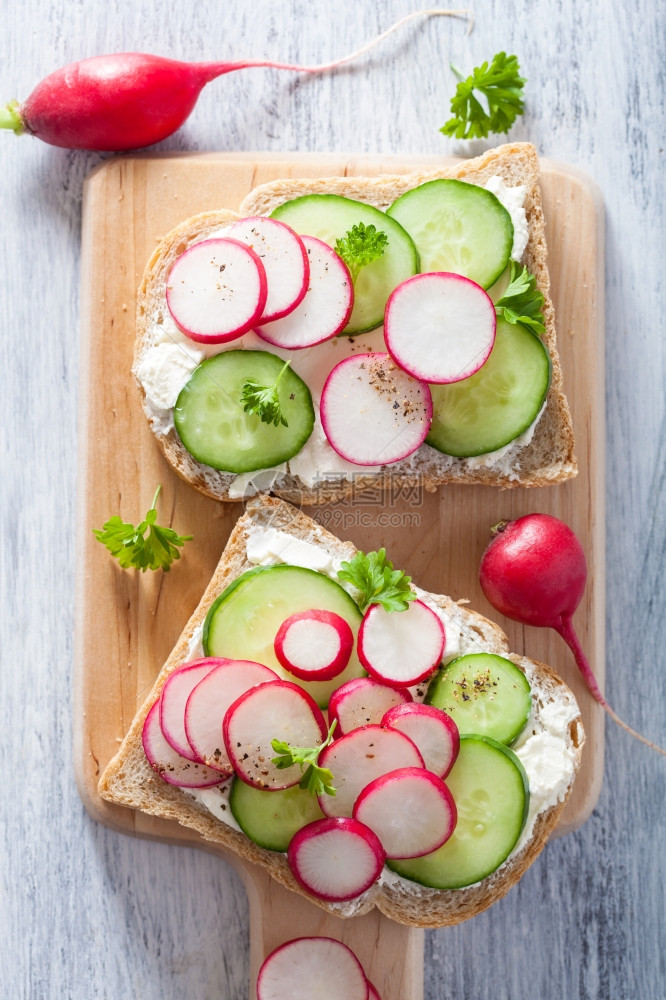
point(329, 217)
point(243, 622)
point(498, 403)
point(484, 694)
point(271, 819)
point(490, 789)
point(457, 227)
point(213, 426)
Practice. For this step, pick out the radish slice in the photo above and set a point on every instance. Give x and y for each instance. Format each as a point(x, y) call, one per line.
point(372, 412)
point(216, 290)
point(411, 810)
point(175, 693)
point(401, 648)
point(314, 645)
point(363, 702)
point(432, 730)
point(336, 859)
point(359, 757)
point(285, 260)
point(276, 710)
point(327, 305)
point(440, 327)
point(372, 992)
point(170, 766)
point(208, 702)
point(312, 968)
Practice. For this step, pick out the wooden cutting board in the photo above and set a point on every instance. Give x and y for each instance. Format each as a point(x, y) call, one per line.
point(127, 623)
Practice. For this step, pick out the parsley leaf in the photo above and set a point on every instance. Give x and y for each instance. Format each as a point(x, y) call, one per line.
point(316, 780)
point(502, 87)
point(264, 400)
point(522, 302)
point(378, 582)
point(360, 246)
point(132, 549)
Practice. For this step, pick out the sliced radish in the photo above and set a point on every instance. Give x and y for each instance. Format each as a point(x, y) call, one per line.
point(401, 648)
point(327, 305)
point(411, 810)
point(432, 730)
point(174, 697)
point(336, 859)
point(363, 702)
point(359, 757)
point(170, 766)
point(208, 703)
point(372, 992)
point(312, 968)
point(440, 327)
point(372, 412)
point(314, 645)
point(216, 290)
point(285, 260)
point(276, 710)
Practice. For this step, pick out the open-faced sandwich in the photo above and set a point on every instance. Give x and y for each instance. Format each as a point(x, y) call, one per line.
point(396, 328)
point(368, 743)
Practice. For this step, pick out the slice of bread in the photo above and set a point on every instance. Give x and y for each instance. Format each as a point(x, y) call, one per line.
point(129, 780)
point(549, 456)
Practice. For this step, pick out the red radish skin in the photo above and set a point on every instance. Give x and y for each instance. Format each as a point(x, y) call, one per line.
point(372, 992)
point(285, 260)
point(166, 762)
point(175, 693)
point(433, 732)
point(336, 859)
point(314, 645)
point(363, 701)
point(312, 968)
point(132, 99)
point(534, 571)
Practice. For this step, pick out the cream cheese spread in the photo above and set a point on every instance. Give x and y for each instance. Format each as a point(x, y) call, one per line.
point(513, 199)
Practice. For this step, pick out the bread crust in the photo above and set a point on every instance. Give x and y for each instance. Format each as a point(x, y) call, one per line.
point(129, 780)
point(549, 458)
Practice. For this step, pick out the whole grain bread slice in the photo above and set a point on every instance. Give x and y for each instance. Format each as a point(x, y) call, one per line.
point(128, 779)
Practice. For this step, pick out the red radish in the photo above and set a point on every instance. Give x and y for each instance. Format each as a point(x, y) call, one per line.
point(170, 766)
point(216, 290)
point(411, 810)
point(336, 859)
point(131, 99)
point(285, 260)
point(208, 702)
point(440, 327)
point(363, 701)
point(400, 648)
point(534, 571)
point(314, 645)
point(327, 305)
point(175, 693)
point(359, 757)
point(433, 732)
point(372, 412)
point(276, 710)
point(312, 968)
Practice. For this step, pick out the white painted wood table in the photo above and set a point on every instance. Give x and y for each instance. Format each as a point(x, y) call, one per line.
point(87, 913)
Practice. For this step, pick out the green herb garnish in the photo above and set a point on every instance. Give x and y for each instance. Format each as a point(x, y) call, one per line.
point(373, 575)
point(132, 549)
point(501, 85)
point(361, 246)
point(316, 780)
point(264, 400)
point(522, 302)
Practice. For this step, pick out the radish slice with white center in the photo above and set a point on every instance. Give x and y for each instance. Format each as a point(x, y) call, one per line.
point(314, 645)
point(312, 968)
point(372, 412)
point(216, 290)
point(400, 648)
point(440, 327)
point(327, 305)
point(176, 691)
point(285, 260)
point(359, 757)
point(336, 859)
point(276, 710)
point(166, 762)
point(363, 702)
point(411, 810)
point(432, 730)
point(208, 703)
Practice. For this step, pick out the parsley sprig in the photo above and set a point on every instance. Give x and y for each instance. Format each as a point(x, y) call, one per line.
point(316, 780)
point(522, 302)
point(373, 575)
point(264, 399)
point(361, 246)
point(133, 549)
point(501, 84)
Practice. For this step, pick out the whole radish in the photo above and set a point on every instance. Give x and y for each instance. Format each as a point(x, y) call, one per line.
point(534, 571)
point(129, 100)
